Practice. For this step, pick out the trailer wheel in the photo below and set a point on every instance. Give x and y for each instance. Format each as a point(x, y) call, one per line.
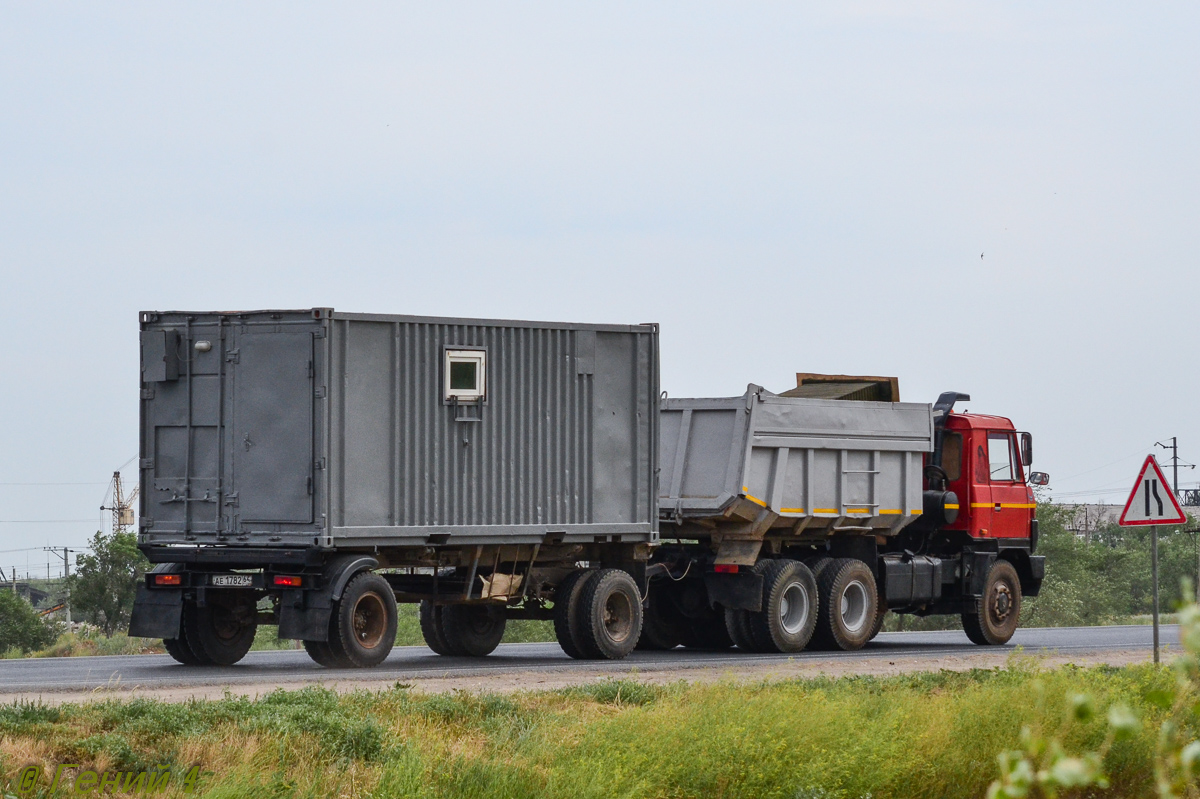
point(662, 624)
point(362, 629)
point(790, 607)
point(566, 615)
point(472, 630)
point(848, 598)
point(221, 632)
point(996, 614)
point(432, 630)
point(609, 615)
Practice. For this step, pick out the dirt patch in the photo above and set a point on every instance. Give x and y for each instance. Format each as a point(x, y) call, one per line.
point(530, 680)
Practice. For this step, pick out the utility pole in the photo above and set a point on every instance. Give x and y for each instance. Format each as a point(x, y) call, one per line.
point(66, 556)
point(1174, 447)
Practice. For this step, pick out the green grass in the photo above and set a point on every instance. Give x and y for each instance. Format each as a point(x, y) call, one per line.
point(919, 735)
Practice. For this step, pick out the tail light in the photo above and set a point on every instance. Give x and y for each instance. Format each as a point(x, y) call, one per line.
point(287, 580)
point(725, 568)
point(168, 579)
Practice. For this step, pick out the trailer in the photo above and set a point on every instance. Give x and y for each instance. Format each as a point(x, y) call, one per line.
point(311, 469)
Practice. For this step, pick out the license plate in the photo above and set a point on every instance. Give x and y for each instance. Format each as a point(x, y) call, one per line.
point(234, 580)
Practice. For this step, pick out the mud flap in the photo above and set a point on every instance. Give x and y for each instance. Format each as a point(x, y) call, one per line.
point(157, 613)
point(741, 591)
point(305, 618)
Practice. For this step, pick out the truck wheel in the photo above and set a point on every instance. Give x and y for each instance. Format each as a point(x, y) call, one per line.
point(322, 652)
point(432, 630)
point(661, 624)
point(566, 616)
point(362, 629)
point(880, 615)
point(609, 615)
point(737, 624)
point(179, 649)
point(996, 614)
point(790, 606)
point(221, 632)
point(848, 598)
point(472, 630)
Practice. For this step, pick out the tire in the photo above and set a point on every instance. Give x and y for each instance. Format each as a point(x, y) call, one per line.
point(322, 655)
point(790, 608)
point(996, 614)
point(609, 615)
point(848, 597)
point(566, 601)
point(661, 624)
point(362, 629)
point(472, 630)
point(221, 632)
point(880, 615)
point(431, 628)
point(737, 624)
point(178, 648)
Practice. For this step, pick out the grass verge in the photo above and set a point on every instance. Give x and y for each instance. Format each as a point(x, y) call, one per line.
point(919, 735)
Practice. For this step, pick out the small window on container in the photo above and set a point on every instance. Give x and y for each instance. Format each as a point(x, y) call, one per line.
point(466, 375)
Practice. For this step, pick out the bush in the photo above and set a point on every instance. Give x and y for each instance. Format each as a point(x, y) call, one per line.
point(20, 626)
point(105, 584)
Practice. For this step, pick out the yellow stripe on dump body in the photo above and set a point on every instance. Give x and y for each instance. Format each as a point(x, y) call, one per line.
point(791, 510)
point(890, 512)
point(756, 501)
point(858, 510)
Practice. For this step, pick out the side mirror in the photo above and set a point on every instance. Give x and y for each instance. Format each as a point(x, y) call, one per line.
point(1039, 478)
point(1026, 449)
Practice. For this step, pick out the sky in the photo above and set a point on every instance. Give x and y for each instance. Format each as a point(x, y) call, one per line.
point(995, 198)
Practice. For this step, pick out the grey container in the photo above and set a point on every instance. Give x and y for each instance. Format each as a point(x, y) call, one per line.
point(817, 464)
point(326, 429)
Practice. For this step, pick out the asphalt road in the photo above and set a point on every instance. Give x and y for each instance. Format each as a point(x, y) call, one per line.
point(413, 662)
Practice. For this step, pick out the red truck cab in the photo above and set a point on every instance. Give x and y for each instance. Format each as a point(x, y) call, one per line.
point(985, 461)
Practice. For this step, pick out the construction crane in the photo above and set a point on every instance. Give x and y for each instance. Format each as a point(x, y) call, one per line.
point(122, 506)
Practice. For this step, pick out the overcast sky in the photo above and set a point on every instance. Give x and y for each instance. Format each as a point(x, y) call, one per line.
point(1000, 199)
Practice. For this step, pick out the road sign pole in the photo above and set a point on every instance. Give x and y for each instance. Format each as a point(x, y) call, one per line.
point(1154, 577)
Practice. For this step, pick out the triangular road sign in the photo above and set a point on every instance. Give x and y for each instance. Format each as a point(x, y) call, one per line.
point(1151, 501)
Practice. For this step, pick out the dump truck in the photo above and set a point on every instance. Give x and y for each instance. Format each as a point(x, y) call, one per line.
point(312, 469)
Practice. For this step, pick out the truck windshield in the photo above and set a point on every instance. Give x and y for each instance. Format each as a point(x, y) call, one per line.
point(1000, 456)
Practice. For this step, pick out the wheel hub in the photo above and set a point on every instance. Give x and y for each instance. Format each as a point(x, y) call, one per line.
point(1002, 603)
point(618, 617)
point(854, 606)
point(793, 609)
point(369, 620)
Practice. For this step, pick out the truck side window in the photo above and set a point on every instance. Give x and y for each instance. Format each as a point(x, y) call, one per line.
point(1000, 459)
point(952, 456)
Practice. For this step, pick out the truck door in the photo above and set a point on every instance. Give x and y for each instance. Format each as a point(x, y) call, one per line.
point(981, 485)
point(1011, 505)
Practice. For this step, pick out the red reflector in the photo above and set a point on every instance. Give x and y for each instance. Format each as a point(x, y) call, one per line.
point(725, 568)
point(168, 579)
point(291, 582)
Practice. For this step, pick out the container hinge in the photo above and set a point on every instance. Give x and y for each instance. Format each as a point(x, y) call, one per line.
point(319, 333)
point(319, 392)
point(234, 356)
point(146, 463)
point(231, 499)
point(319, 464)
point(147, 393)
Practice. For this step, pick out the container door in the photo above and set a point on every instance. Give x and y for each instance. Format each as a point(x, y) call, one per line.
point(273, 426)
point(1010, 496)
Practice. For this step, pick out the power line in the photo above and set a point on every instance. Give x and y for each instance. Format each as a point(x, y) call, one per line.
point(53, 484)
point(45, 521)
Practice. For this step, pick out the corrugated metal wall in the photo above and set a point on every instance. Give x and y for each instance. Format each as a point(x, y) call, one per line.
point(566, 435)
